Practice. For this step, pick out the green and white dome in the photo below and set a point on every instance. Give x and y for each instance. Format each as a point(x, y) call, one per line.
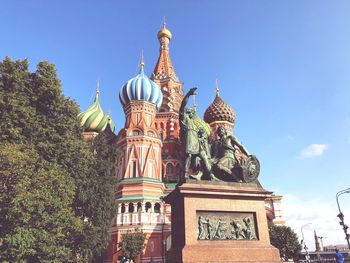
point(94, 120)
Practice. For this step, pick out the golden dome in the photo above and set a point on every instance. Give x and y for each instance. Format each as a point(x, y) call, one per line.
point(164, 33)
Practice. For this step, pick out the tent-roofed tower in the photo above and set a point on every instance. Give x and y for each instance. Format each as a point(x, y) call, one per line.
point(167, 119)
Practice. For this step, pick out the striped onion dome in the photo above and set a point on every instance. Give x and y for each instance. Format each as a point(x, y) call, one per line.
point(94, 120)
point(219, 111)
point(141, 88)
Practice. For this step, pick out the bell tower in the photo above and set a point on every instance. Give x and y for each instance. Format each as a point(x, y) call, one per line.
point(167, 119)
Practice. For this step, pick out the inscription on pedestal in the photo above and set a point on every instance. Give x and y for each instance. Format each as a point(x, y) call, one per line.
point(226, 225)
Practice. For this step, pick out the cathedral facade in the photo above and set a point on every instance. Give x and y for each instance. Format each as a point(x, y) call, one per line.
point(150, 159)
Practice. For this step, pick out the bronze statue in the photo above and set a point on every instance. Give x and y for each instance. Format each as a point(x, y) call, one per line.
point(217, 160)
point(224, 158)
point(188, 131)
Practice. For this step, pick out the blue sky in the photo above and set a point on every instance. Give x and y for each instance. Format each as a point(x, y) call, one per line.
point(284, 67)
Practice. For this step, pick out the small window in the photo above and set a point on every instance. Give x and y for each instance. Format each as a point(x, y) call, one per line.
point(134, 168)
point(169, 169)
point(131, 208)
point(148, 207)
point(139, 207)
point(157, 208)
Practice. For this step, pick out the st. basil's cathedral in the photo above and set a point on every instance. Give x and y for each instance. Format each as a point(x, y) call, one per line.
point(150, 160)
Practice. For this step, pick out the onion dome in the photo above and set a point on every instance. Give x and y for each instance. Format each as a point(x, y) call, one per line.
point(94, 120)
point(219, 110)
point(141, 88)
point(164, 32)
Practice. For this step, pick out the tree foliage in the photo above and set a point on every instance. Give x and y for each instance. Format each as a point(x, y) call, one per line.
point(56, 191)
point(132, 243)
point(286, 240)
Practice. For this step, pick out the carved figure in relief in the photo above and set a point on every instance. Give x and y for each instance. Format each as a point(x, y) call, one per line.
point(214, 228)
point(217, 229)
point(249, 231)
point(237, 229)
point(203, 224)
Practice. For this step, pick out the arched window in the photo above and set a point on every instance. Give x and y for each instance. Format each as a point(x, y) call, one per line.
point(123, 208)
point(134, 168)
point(169, 169)
point(131, 208)
point(139, 207)
point(136, 132)
point(157, 208)
point(148, 207)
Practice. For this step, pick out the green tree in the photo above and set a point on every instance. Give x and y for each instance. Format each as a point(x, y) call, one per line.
point(132, 243)
point(57, 191)
point(286, 240)
point(36, 220)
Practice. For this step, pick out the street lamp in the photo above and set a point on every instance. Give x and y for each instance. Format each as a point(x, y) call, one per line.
point(341, 215)
point(321, 239)
point(307, 256)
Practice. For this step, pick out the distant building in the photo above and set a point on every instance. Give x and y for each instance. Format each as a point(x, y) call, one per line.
point(273, 210)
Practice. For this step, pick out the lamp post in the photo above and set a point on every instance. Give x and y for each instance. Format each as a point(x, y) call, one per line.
point(341, 215)
point(307, 256)
point(321, 239)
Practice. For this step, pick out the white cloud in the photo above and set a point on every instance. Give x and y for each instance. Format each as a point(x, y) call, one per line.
point(313, 150)
point(322, 214)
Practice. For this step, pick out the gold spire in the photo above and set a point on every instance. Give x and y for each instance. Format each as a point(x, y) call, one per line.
point(217, 87)
point(164, 23)
point(164, 32)
point(142, 63)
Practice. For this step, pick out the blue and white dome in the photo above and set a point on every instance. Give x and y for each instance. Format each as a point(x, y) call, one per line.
point(141, 88)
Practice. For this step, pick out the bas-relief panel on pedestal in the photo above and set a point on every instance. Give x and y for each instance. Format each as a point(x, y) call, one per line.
point(226, 225)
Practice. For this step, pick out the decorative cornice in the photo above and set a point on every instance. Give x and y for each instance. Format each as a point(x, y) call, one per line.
point(139, 198)
point(139, 180)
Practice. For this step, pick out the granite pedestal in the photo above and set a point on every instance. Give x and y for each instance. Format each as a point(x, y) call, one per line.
point(215, 201)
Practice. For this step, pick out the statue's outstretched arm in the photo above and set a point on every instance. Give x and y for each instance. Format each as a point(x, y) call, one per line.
point(185, 100)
